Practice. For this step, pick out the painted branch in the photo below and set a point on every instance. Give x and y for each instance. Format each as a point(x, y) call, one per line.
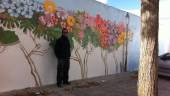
point(85, 63)
point(86, 59)
point(74, 58)
point(104, 58)
point(116, 62)
point(35, 69)
point(29, 54)
point(39, 52)
point(33, 51)
point(33, 38)
point(31, 67)
point(80, 62)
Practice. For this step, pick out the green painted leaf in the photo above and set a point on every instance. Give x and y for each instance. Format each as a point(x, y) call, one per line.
point(10, 22)
point(7, 36)
point(95, 39)
point(86, 39)
point(76, 30)
point(39, 31)
point(91, 36)
point(27, 25)
point(117, 45)
point(70, 36)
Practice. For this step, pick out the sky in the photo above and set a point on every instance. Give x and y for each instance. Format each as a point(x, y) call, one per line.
point(133, 6)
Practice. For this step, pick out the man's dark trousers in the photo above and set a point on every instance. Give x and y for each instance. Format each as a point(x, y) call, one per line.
point(63, 71)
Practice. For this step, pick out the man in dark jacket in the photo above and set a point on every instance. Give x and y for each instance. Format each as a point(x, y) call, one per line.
point(63, 53)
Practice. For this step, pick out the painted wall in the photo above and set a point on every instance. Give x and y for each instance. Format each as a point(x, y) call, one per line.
point(96, 31)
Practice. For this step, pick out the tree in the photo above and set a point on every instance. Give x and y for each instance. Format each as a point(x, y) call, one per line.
point(148, 76)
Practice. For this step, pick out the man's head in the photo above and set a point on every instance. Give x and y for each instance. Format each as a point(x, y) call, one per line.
point(64, 32)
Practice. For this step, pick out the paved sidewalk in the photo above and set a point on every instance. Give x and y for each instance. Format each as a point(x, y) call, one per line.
point(123, 84)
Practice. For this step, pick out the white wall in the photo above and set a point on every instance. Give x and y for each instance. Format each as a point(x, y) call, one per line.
point(15, 70)
point(134, 46)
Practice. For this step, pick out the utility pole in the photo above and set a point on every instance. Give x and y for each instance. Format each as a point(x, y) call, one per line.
point(126, 39)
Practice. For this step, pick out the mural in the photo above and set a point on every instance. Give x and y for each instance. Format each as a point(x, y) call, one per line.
point(46, 20)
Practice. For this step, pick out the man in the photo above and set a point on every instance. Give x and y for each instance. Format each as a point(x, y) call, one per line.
point(63, 53)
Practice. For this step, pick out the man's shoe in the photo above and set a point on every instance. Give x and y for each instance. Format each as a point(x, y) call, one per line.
point(59, 85)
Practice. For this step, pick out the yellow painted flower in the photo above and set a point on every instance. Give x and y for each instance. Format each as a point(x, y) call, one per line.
point(121, 38)
point(70, 21)
point(50, 6)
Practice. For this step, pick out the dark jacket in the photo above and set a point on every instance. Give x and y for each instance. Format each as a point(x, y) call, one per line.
point(62, 48)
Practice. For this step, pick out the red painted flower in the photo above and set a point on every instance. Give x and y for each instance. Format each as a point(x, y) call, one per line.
point(104, 34)
point(121, 27)
point(98, 21)
point(42, 20)
point(49, 20)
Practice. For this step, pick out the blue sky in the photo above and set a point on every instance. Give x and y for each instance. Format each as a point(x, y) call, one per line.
point(132, 6)
point(124, 4)
point(121, 4)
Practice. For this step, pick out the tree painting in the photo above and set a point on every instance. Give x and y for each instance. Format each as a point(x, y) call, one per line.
point(47, 20)
point(20, 14)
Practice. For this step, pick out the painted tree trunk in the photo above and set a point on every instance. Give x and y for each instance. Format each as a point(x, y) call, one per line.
point(148, 76)
point(104, 59)
point(82, 60)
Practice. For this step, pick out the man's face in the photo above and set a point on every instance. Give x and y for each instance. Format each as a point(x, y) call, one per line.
point(65, 32)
